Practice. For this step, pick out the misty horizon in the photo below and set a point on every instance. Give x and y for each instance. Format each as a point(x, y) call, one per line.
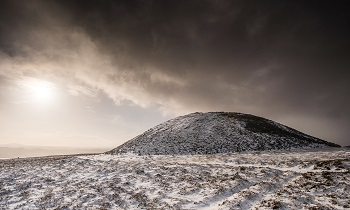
point(24, 151)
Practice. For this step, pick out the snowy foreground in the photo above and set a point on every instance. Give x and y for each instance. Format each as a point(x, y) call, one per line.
point(255, 180)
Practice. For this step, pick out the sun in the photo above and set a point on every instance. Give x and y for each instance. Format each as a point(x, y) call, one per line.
point(39, 90)
point(42, 91)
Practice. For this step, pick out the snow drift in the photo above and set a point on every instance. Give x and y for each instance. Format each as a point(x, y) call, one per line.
point(218, 132)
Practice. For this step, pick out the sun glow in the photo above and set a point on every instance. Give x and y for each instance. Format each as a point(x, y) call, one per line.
point(38, 90)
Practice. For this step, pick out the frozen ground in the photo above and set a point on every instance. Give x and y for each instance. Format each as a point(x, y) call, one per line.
point(255, 180)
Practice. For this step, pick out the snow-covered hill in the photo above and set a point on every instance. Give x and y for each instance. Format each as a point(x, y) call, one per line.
point(218, 132)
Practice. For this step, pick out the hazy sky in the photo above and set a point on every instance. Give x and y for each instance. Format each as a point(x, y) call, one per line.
point(97, 73)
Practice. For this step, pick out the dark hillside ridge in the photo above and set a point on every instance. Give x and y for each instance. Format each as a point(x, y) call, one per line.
point(218, 132)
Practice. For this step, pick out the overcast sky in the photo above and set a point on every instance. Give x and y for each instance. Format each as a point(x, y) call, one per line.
point(97, 73)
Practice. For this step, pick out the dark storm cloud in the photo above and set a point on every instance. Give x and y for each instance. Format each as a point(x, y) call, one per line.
point(272, 58)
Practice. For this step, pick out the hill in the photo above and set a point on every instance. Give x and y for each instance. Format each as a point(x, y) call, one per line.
point(218, 132)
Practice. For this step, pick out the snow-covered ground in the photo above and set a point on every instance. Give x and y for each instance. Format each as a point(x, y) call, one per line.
point(306, 179)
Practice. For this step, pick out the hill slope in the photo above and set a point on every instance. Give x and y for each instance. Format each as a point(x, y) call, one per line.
point(218, 132)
